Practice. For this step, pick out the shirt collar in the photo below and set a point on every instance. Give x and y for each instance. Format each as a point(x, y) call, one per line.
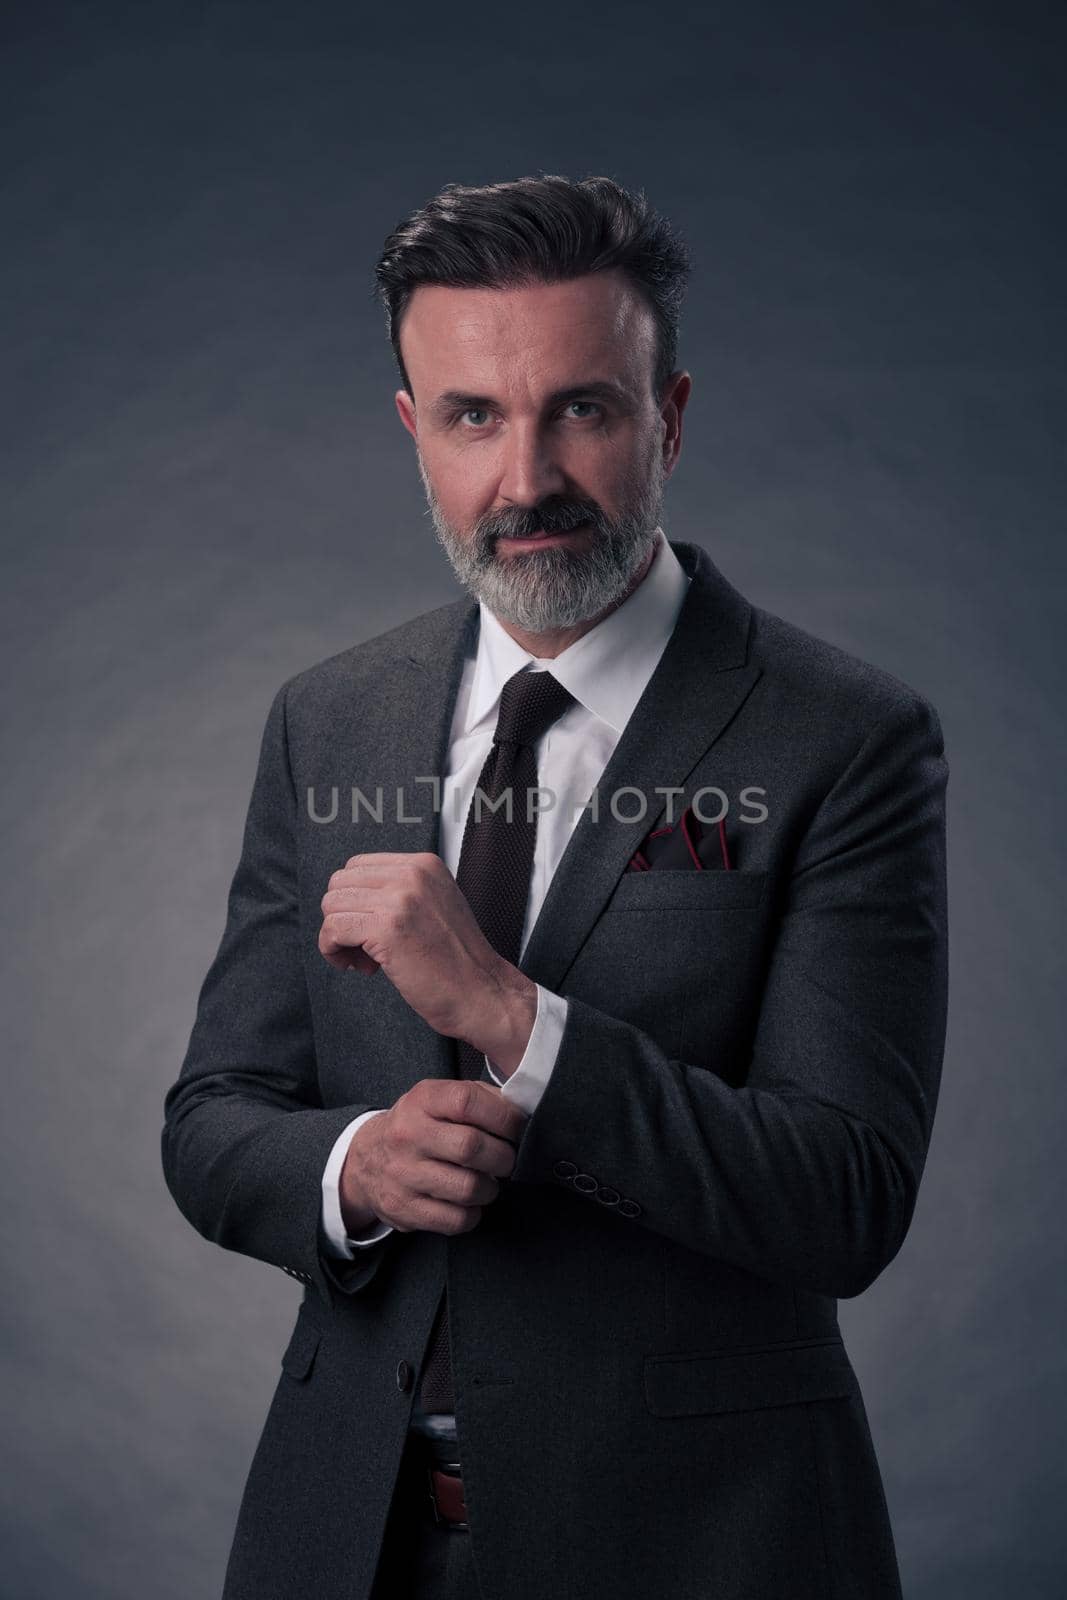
point(608, 667)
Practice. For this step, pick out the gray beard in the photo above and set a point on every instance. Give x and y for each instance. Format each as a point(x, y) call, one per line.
point(557, 586)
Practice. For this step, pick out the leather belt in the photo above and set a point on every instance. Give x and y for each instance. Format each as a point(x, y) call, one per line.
point(446, 1496)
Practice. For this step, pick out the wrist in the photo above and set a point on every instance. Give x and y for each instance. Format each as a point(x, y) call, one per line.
point(506, 1019)
point(356, 1214)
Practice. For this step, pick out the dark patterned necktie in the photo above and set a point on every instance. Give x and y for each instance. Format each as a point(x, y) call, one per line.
point(494, 874)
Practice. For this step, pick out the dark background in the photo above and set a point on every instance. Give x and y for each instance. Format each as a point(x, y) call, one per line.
point(207, 489)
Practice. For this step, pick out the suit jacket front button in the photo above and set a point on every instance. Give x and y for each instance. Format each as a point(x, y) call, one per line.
point(403, 1376)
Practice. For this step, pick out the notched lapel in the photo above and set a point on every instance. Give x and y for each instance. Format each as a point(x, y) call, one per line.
point(699, 685)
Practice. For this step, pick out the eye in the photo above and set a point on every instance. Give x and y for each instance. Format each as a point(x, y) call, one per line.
point(463, 417)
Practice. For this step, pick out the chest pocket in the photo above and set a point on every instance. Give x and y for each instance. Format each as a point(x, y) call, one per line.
point(662, 935)
point(687, 889)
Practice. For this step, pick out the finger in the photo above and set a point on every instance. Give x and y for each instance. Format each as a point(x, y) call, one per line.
point(359, 961)
point(381, 865)
point(369, 880)
point(465, 1146)
point(336, 954)
point(348, 897)
point(425, 1214)
point(459, 1185)
point(341, 930)
point(468, 1100)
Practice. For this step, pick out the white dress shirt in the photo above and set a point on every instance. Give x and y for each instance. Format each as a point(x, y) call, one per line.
point(606, 671)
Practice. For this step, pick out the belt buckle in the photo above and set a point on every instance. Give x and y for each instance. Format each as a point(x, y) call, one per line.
point(438, 1516)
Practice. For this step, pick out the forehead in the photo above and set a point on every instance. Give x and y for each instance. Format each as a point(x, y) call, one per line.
point(593, 326)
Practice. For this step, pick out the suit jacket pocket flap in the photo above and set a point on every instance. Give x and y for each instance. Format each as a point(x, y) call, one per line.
point(679, 889)
point(300, 1351)
point(747, 1380)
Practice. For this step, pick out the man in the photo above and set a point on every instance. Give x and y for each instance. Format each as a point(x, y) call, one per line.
point(575, 1121)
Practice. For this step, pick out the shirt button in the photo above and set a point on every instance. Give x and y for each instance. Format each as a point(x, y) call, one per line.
point(404, 1376)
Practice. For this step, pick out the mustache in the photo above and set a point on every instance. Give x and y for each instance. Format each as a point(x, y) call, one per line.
point(555, 516)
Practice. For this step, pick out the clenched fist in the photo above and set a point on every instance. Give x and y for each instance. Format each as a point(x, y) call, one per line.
point(433, 1160)
point(405, 915)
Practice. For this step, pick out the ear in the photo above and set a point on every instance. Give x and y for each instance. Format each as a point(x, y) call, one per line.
point(676, 392)
point(405, 405)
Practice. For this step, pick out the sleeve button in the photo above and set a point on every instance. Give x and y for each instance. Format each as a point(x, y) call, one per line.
point(629, 1208)
point(586, 1183)
point(565, 1170)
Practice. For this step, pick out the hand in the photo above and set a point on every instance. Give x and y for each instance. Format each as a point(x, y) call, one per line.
point(405, 913)
point(433, 1160)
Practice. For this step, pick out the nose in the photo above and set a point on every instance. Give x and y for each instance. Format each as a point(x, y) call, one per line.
point(529, 470)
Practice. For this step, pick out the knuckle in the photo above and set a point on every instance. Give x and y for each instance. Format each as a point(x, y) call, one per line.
point(469, 1146)
point(469, 1186)
point(463, 1097)
point(460, 1219)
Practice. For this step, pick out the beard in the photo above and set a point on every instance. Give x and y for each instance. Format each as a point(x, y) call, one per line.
point(557, 586)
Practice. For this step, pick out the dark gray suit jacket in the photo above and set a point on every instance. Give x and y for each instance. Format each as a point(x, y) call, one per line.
point(652, 1392)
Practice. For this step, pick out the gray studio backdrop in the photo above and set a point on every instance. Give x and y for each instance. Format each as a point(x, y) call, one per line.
point(207, 489)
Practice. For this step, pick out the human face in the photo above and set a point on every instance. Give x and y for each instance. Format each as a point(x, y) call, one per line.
point(534, 415)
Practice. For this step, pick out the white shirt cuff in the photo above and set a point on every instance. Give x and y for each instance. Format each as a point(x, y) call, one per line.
point(530, 1079)
point(341, 1242)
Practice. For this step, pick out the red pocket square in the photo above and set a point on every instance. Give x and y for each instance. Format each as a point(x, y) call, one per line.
point(688, 844)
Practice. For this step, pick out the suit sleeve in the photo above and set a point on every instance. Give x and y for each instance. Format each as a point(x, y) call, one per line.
point(245, 1135)
point(808, 1172)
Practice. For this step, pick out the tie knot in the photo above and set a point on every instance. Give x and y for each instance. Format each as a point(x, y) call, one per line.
point(530, 702)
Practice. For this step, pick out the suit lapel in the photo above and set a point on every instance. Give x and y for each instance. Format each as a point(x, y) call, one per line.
point(412, 722)
point(699, 683)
